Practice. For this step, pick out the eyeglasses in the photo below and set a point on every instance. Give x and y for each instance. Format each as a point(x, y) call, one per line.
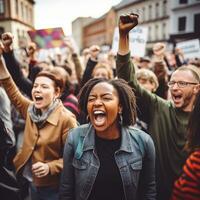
point(181, 84)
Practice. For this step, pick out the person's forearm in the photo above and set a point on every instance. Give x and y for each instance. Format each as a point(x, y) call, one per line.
point(124, 67)
point(13, 67)
point(88, 71)
point(12, 64)
point(78, 66)
point(3, 70)
point(123, 45)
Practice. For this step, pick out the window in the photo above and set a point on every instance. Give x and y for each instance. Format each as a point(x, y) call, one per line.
point(164, 8)
point(196, 23)
point(164, 30)
point(157, 10)
point(150, 12)
point(1, 6)
point(149, 35)
point(1, 31)
point(181, 23)
point(156, 32)
point(30, 16)
point(26, 12)
point(22, 10)
point(18, 34)
point(143, 10)
point(16, 7)
point(183, 1)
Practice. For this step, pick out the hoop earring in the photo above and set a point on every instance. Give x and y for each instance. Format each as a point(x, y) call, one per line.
point(88, 118)
point(120, 118)
point(54, 99)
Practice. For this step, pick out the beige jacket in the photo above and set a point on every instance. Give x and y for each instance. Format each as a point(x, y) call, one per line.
point(45, 144)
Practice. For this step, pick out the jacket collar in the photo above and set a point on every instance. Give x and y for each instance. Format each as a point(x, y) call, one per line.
point(126, 140)
point(89, 139)
point(54, 116)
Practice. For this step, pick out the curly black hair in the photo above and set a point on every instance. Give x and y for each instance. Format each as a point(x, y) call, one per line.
point(126, 98)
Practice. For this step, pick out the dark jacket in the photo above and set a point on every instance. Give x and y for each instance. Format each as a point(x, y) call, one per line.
point(135, 160)
point(166, 124)
point(13, 67)
point(87, 75)
point(9, 188)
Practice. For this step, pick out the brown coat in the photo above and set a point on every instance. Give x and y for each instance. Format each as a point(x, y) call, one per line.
point(45, 144)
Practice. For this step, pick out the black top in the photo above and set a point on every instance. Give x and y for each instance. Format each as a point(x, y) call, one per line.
point(15, 71)
point(87, 75)
point(108, 184)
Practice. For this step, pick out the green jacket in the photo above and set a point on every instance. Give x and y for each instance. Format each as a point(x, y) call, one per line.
point(166, 124)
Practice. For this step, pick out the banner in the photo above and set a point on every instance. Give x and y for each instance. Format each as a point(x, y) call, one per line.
point(48, 38)
point(137, 41)
point(190, 48)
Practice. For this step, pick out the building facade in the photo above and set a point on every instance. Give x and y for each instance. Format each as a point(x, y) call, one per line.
point(184, 20)
point(100, 31)
point(77, 29)
point(153, 14)
point(17, 17)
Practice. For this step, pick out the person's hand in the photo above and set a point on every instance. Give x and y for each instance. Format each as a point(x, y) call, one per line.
point(40, 169)
point(179, 51)
point(31, 49)
point(127, 22)
point(7, 40)
point(159, 49)
point(94, 52)
point(69, 45)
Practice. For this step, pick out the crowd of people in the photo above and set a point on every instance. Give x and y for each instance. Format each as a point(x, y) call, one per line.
point(99, 126)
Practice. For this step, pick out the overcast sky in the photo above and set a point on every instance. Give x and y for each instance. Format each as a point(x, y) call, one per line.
point(60, 13)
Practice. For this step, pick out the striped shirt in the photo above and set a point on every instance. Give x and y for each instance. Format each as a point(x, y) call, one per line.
point(71, 103)
point(187, 187)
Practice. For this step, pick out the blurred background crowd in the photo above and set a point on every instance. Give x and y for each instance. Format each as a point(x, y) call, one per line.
point(168, 37)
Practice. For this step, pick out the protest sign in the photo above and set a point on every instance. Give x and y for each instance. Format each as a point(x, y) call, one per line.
point(190, 48)
point(137, 41)
point(48, 38)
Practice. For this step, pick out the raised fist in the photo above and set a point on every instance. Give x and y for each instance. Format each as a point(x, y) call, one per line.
point(94, 51)
point(127, 22)
point(31, 49)
point(7, 39)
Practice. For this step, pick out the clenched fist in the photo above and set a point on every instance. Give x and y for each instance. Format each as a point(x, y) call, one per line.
point(127, 22)
point(7, 40)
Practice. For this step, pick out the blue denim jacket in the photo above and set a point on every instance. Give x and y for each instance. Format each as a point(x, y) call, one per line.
point(135, 160)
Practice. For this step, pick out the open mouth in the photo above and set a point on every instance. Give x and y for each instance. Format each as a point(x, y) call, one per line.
point(177, 98)
point(38, 98)
point(99, 117)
